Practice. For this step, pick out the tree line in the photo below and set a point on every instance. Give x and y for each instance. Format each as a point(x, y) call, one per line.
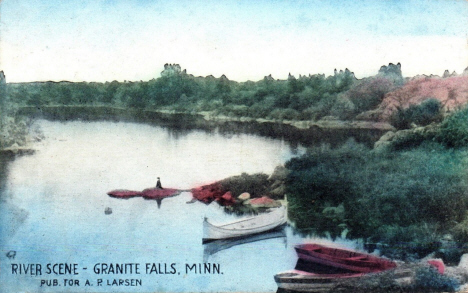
point(309, 97)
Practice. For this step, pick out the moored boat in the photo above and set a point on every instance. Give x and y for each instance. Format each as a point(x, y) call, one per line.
point(267, 221)
point(346, 260)
point(297, 280)
point(301, 281)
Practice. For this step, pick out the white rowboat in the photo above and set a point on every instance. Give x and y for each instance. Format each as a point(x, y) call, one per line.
point(275, 217)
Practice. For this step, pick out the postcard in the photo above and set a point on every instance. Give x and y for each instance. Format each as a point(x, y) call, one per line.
point(233, 146)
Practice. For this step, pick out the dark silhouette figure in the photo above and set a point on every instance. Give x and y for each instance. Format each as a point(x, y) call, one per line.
point(158, 184)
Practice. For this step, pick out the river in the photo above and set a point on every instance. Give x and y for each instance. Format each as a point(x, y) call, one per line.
point(53, 203)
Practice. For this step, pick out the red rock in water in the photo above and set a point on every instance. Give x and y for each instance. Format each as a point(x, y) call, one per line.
point(264, 201)
point(227, 196)
point(208, 193)
point(149, 193)
point(226, 199)
point(157, 193)
point(124, 193)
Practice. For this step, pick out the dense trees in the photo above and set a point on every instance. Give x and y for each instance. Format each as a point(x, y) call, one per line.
point(304, 98)
point(13, 129)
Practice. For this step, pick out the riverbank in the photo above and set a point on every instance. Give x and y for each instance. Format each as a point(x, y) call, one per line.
point(23, 150)
point(325, 123)
point(308, 133)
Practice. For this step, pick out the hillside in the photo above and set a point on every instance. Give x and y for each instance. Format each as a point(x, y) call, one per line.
point(451, 91)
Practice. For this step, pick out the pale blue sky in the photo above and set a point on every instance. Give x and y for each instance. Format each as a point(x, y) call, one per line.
point(103, 40)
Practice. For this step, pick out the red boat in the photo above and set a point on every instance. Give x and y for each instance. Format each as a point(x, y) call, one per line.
point(345, 260)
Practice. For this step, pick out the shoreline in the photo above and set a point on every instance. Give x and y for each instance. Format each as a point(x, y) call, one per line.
point(296, 131)
point(325, 124)
point(22, 150)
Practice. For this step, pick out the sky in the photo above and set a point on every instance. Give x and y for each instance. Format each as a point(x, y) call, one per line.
point(105, 40)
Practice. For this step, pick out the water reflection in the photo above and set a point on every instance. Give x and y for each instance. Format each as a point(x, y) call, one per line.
point(9, 222)
point(183, 124)
point(57, 200)
point(62, 190)
point(215, 246)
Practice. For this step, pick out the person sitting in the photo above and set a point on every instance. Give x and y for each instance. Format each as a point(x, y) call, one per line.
point(158, 184)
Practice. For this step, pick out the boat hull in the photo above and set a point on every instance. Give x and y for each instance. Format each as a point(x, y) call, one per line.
point(249, 226)
point(343, 259)
point(297, 280)
point(309, 282)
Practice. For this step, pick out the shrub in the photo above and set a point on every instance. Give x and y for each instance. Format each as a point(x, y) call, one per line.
point(320, 109)
point(385, 196)
point(423, 114)
point(255, 184)
point(369, 93)
point(343, 109)
point(454, 129)
point(411, 242)
point(411, 138)
point(460, 231)
point(284, 114)
point(262, 109)
point(429, 280)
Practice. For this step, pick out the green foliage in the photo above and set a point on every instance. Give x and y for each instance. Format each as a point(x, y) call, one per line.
point(385, 196)
point(294, 85)
point(262, 109)
point(411, 138)
point(343, 108)
point(13, 131)
point(423, 114)
point(408, 242)
point(427, 279)
point(13, 128)
point(454, 129)
point(35, 100)
point(306, 97)
point(256, 184)
point(284, 114)
point(460, 231)
point(321, 108)
point(234, 110)
point(369, 93)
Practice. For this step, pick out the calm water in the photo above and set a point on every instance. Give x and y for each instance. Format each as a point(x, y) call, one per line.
point(53, 202)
